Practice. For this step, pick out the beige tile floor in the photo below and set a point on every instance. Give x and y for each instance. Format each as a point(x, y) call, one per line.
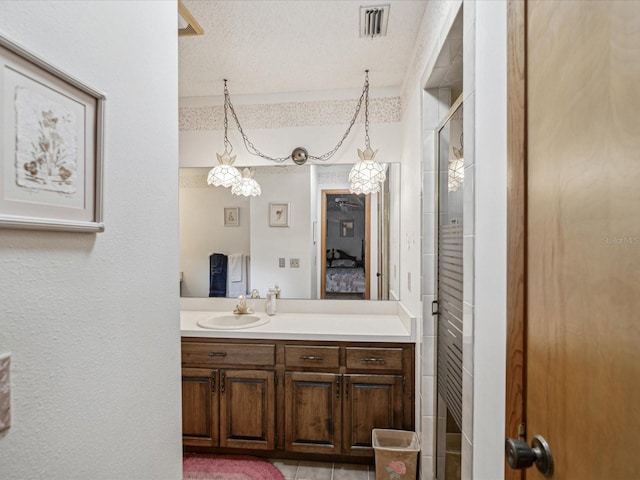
point(303, 470)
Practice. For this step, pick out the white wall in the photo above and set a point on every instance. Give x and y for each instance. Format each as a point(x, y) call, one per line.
point(484, 225)
point(277, 124)
point(394, 231)
point(421, 114)
point(485, 106)
point(202, 229)
point(268, 243)
point(92, 320)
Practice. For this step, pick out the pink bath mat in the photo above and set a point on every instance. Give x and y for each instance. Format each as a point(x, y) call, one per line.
point(228, 467)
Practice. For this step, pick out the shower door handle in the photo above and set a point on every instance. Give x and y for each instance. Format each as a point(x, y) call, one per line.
point(520, 455)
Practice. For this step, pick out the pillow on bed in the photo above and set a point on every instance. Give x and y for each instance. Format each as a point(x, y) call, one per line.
point(344, 263)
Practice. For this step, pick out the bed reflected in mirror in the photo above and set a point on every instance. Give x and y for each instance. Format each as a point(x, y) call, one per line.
point(346, 240)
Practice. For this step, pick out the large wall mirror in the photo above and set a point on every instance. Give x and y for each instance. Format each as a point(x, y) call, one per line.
point(305, 233)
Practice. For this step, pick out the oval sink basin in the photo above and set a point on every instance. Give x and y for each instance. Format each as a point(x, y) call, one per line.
point(232, 322)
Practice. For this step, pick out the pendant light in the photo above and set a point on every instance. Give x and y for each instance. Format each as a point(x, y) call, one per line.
point(225, 174)
point(367, 174)
point(455, 176)
point(247, 186)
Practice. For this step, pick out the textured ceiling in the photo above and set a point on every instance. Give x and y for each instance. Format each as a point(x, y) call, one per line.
point(264, 46)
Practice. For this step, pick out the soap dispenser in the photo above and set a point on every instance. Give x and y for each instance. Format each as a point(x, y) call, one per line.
point(270, 304)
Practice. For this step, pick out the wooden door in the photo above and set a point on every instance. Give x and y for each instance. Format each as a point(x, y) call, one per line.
point(247, 409)
point(313, 412)
point(581, 258)
point(370, 401)
point(199, 407)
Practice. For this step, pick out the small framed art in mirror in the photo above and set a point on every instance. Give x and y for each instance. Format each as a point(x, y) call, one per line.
point(278, 214)
point(231, 217)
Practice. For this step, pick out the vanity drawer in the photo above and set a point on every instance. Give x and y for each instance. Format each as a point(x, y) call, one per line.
point(311, 356)
point(374, 358)
point(229, 354)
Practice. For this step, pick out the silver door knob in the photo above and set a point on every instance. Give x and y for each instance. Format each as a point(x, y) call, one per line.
point(520, 455)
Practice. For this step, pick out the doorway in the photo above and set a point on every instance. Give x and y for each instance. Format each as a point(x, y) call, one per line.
point(345, 245)
point(449, 292)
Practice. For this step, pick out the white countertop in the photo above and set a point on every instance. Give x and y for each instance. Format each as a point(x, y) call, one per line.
point(307, 326)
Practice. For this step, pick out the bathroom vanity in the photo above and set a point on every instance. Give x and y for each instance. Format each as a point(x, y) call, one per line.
point(301, 385)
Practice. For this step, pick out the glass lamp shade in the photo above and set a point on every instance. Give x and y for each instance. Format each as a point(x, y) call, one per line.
point(455, 174)
point(247, 186)
point(367, 174)
point(224, 174)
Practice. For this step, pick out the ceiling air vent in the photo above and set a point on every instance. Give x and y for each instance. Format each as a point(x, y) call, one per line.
point(187, 25)
point(373, 21)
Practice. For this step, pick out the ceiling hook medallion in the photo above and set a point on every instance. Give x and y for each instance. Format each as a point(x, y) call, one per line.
point(299, 155)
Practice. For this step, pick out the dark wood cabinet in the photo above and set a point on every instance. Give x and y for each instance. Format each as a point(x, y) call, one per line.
point(313, 406)
point(302, 398)
point(199, 407)
point(247, 409)
point(232, 406)
point(370, 401)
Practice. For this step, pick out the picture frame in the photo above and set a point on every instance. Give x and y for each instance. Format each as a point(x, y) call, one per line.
point(278, 214)
point(346, 228)
point(51, 146)
point(231, 216)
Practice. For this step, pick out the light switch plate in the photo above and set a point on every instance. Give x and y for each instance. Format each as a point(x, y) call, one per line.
point(281, 263)
point(5, 391)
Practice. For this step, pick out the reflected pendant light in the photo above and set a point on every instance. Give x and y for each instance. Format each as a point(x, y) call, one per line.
point(247, 186)
point(367, 174)
point(225, 174)
point(455, 176)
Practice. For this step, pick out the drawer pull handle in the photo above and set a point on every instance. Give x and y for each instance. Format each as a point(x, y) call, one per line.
point(217, 354)
point(373, 360)
point(311, 357)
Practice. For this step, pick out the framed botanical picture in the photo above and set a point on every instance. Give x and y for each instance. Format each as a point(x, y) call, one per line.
point(231, 217)
point(346, 228)
point(279, 214)
point(51, 146)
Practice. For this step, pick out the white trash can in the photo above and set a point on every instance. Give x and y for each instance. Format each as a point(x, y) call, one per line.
point(396, 454)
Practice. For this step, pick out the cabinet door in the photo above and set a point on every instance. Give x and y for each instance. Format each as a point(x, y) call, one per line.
point(313, 412)
point(247, 409)
point(371, 401)
point(199, 407)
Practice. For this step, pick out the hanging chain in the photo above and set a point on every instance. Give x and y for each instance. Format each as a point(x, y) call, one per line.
point(364, 95)
point(366, 110)
point(253, 150)
point(227, 144)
